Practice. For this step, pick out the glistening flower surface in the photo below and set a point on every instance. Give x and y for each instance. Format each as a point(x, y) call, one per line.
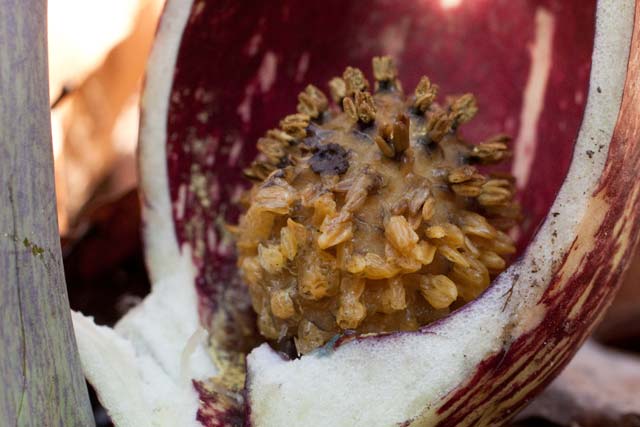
point(371, 216)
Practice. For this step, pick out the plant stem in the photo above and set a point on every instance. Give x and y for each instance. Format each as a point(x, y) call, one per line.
point(41, 383)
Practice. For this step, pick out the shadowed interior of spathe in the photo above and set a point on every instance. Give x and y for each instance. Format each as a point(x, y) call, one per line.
point(241, 66)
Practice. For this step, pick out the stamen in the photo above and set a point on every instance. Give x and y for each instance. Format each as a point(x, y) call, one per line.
point(463, 108)
point(338, 89)
point(296, 125)
point(355, 81)
point(385, 72)
point(425, 94)
point(365, 107)
point(350, 108)
point(439, 124)
point(312, 102)
point(401, 133)
point(382, 140)
point(492, 151)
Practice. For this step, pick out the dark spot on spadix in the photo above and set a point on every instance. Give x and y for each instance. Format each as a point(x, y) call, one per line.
point(329, 159)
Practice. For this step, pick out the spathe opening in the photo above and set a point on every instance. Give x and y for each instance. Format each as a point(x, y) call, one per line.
point(240, 68)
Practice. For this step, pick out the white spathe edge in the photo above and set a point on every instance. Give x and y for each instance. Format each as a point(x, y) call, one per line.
point(386, 381)
point(162, 253)
point(142, 369)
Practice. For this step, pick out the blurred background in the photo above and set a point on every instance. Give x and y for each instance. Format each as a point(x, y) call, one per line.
point(97, 55)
